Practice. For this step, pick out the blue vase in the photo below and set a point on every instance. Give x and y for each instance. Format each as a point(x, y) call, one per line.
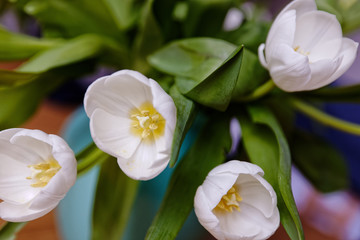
point(74, 213)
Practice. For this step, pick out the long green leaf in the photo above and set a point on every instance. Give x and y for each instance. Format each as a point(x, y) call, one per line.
point(149, 37)
point(194, 58)
point(89, 157)
point(205, 18)
point(251, 75)
point(10, 229)
point(208, 151)
point(114, 198)
point(185, 115)
point(15, 46)
point(267, 147)
point(310, 152)
point(216, 90)
point(78, 49)
point(68, 19)
point(124, 12)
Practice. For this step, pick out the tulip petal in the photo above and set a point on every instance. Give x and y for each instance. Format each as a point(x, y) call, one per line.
point(115, 93)
point(203, 209)
point(320, 41)
point(321, 73)
point(140, 165)
point(33, 140)
point(112, 134)
point(262, 56)
point(289, 69)
point(20, 213)
point(301, 7)
point(14, 187)
point(348, 53)
point(258, 193)
point(282, 32)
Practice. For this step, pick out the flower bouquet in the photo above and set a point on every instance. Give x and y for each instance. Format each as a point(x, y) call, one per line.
point(178, 66)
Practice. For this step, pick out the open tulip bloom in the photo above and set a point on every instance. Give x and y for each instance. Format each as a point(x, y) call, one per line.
point(305, 49)
point(133, 119)
point(235, 202)
point(36, 171)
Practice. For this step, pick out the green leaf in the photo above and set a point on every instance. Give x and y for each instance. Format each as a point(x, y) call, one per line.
point(335, 94)
point(216, 90)
point(124, 12)
point(75, 50)
point(15, 46)
point(184, 117)
point(205, 17)
point(20, 100)
point(67, 19)
point(208, 151)
point(90, 157)
point(346, 11)
point(149, 37)
point(9, 230)
point(194, 58)
point(319, 161)
point(267, 147)
point(251, 75)
point(250, 34)
point(114, 198)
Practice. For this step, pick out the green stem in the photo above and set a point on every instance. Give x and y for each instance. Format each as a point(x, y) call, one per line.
point(324, 118)
point(90, 156)
point(9, 230)
point(259, 92)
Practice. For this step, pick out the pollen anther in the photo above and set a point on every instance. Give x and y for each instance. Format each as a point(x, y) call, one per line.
point(229, 201)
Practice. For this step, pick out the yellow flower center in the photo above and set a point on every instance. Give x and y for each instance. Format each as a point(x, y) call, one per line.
point(147, 122)
point(229, 201)
point(299, 50)
point(43, 172)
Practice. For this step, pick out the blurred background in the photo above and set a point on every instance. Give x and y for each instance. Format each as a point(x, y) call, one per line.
point(324, 216)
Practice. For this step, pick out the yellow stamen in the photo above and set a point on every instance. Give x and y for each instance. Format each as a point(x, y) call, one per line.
point(147, 122)
point(43, 172)
point(299, 50)
point(229, 201)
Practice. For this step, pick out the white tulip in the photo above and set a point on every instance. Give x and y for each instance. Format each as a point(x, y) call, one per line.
point(305, 49)
point(235, 202)
point(133, 119)
point(36, 171)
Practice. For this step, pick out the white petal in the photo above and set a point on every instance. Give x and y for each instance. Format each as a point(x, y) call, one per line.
point(20, 213)
point(140, 166)
point(63, 180)
point(237, 167)
point(256, 192)
point(301, 7)
point(324, 28)
point(348, 52)
point(35, 141)
point(203, 210)
point(100, 96)
point(262, 56)
point(164, 104)
point(14, 187)
point(289, 69)
point(253, 224)
point(112, 134)
point(321, 72)
point(282, 32)
point(128, 84)
point(217, 185)
point(8, 133)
